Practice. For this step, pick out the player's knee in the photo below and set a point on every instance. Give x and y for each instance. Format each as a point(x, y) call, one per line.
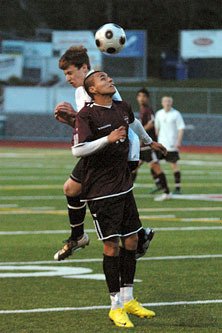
point(71, 188)
point(131, 242)
point(111, 248)
point(156, 168)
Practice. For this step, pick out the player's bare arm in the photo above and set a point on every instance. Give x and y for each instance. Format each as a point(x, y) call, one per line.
point(179, 138)
point(65, 113)
point(149, 125)
point(159, 147)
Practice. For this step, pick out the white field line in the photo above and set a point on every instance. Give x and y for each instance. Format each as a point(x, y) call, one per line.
point(103, 307)
point(40, 211)
point(218, 184)
point(36, 155)
point(40, 177)
point(61, 197)
point(92, 260)
point(59, 186)
point(180, 209)
point(32, 197)
point(52, 232)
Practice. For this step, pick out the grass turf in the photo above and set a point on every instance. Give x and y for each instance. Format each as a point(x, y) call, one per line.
point(32, 200)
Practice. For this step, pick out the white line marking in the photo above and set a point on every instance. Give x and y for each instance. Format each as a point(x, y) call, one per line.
point(201, 256)
point(103, 307)
point(52, 232)
point(218, 184)
point(181, 209)
point(32, 197)
point(40, 177)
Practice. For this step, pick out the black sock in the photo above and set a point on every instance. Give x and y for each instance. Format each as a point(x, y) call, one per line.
point(155, 178)
point(77, 212)
point(177, 179)
point(134, 175)
point(127, 266)
point(111, 271)
point(163, 183)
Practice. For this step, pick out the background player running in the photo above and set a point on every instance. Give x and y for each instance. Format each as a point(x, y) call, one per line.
point(170, 126)
point(101, 138)
point(75, 65)
point(146, 116)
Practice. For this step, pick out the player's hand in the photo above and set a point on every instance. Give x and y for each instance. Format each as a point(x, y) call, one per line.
point(65, 113)
point(117, 134)
point(157, 146)
point(178, 145)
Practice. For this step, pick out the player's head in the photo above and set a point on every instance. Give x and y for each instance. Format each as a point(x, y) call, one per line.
point(167, 102)
point(99, 83)
point(75, 65)
point(143, 97)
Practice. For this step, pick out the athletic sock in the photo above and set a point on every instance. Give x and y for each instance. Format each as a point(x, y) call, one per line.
point(116, 301)
point(177, 179)
point(134, 175)
point(111, 271)
point(163, 182)
point(126, 294)
point(155, 178)
point(76, 212)
point(127, 273)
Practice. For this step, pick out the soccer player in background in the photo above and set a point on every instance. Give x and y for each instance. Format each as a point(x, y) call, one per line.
point(146, 116)
point(101, 138)
point(170, 127)
point(75, 65)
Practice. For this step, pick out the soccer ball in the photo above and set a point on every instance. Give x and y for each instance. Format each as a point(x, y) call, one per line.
point(110, 38)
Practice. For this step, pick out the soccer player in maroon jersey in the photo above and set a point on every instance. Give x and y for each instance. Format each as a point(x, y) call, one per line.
point(75, 64)
point(101, 138)
point(146, 116)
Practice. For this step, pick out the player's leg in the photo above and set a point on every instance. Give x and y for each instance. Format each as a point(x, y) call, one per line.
point(166, 195)
point(130, 227)
point(173, 159)
point(76, 212)
point(160, 175)
point(145, 234)
point(106, 216)
point(177, 177)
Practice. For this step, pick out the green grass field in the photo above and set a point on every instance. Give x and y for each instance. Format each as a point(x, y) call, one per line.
point(181, 273)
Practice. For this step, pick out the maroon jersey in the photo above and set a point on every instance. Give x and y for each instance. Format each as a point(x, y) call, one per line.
point(146, 114)
point(105, 173)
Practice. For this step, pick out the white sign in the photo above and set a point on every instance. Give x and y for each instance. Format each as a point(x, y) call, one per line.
point(10, 65)
point(62, 40)
point(201, 44)
point(28, 49)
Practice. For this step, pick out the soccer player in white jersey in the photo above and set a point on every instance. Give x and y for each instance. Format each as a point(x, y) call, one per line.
point(75, 65)
point(170, 126)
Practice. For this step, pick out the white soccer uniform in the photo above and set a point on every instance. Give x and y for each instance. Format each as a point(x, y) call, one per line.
point(167, 125)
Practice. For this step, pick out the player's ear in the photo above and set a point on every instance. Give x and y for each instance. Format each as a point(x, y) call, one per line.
point(85, 68)
point(92, 90)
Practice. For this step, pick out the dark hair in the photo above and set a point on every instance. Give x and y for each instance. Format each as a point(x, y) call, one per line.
point(143, 91)
point(89, 81)
point(75, 55)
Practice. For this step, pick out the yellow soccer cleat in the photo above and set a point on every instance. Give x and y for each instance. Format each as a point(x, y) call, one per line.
point(120, 318)
point(135, 308)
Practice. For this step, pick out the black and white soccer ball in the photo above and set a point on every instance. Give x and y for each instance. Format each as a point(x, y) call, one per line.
point(110, 38)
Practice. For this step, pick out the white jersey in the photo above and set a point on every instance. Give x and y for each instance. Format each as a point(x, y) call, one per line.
point(167, 124)
point(82, 97)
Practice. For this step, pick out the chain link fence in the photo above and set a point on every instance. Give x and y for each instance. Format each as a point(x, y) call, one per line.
point(201, 109)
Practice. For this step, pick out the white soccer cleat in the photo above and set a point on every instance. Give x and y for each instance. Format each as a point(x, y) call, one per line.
point(71, 246)
point(164, 196)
